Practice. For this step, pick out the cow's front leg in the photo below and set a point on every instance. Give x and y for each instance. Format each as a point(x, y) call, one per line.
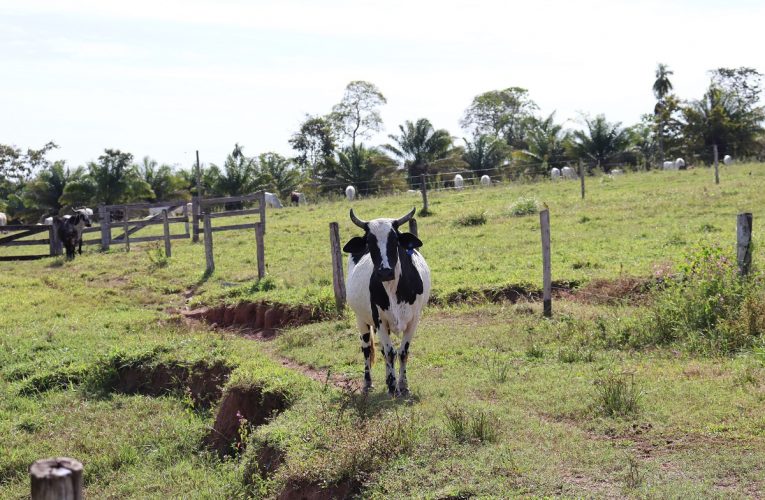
point(80, 249)
point(389, 354)
point(403, 356)
point(368, 349)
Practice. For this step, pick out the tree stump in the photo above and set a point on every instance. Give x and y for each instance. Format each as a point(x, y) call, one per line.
point(56, 479)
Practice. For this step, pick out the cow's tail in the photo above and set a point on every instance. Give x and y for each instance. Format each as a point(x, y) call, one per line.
point(371, 345)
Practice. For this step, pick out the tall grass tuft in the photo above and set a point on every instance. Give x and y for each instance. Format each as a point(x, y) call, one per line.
point(617, 395)
point(474, 219)
point(476, 426)
point(524, 206)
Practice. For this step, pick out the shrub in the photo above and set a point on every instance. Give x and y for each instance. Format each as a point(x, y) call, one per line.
point(478, 425)
point(524, 206)
point(474, 219)
point(617, 395)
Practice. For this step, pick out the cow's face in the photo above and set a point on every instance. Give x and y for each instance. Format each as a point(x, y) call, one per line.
point(383, 241)
point(81, 217)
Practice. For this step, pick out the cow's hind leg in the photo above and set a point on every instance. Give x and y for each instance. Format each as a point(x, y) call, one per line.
point(403, 356)
point(389, 354)
point(368, 349)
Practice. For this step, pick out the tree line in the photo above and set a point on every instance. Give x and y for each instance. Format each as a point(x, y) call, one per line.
point(507, 137)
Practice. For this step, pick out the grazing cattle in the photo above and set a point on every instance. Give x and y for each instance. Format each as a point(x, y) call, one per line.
point(485, 180)
point(459, 182)
point(568, 173)
point(617, 171)
point(680, 164)
point(388, 285)
point(669, 165)
point(48, 221)
point(727, 159)
point(175, 212)
point(297, 198)
point(70, 231)
point(273, 201)
point(350, 193)
point(555, 173)
point(413, 191)
point(3, 222)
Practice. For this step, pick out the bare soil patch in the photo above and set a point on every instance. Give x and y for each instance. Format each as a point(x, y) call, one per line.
point(263, 318)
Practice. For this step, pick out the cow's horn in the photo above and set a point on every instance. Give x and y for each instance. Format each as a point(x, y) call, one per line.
point(405, 218)
point(358, 221)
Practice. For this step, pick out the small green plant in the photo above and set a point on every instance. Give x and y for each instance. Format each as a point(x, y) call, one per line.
point(617, 395)
point(575, 355)
point(524, 206)
point(474, 219)
point(535, 351)
point(478, 425)
point(633, 476)
point(157, 257)
point(499, 367)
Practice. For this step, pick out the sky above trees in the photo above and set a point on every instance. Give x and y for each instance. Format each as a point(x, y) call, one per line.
point(166, 78)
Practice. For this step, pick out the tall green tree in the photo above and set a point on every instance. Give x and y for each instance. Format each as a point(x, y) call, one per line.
point(164, 183)
point(368, 169)
point(600, 142)
point(112, 180)
point(503, 113)
point(662, 86)
point(45, 191)
point(315, 145)
point(282, 176)
point(239, 175)
point(357, 115)
point(485, 154)
point(419, 146)
point(16, 166)
point(546, 145)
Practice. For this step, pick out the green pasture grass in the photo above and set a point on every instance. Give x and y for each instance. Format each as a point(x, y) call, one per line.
point(527, 387)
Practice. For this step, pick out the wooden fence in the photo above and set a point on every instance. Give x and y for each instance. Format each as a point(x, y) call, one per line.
point(25, 230)
point(118, 217)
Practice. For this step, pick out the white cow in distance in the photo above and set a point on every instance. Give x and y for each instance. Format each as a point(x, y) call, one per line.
point(273, 201)
point(485, 180)
point(555, 173)
point(350, 193)
point(459, 182)
point(568, 173)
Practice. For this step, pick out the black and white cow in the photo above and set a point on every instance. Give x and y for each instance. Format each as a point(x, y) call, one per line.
point(388, 285)
point(70, 231)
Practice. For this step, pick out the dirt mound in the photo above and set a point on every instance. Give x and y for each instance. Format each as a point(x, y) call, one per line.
point(202, 381)
point(317, 491)
point(612, 291)
point(507, 293)
point(261, 316)
point(249, 406)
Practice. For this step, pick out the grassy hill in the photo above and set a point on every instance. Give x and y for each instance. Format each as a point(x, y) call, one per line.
point(503, 402)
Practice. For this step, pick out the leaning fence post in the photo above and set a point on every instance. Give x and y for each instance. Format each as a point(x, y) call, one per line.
point(717, 163)
point(262, 209)
point(544, 221)
point(744, 242)
point(261, 250)
point(56, 478)
point(126, 224)
point(166, 227)
point(581, 176)
point(104, 216)
point(208, 243)
point(338, 280)
point(413, 226)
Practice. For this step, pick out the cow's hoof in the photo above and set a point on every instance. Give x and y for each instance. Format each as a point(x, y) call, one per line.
point(367, 388)
point(402, 393)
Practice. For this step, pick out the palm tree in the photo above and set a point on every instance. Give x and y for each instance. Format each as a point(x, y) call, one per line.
point(601, 141)
point(420, 146)
point(164, 183)
point(485, 153)
point(547, 144)
point(45, 191)
point(112, 179)
point(661, 87)
point(368, 169)
point(239, 175)
point(282, 176)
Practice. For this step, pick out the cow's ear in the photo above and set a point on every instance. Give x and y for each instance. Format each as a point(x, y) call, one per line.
point(356, 245)
point(408, 241)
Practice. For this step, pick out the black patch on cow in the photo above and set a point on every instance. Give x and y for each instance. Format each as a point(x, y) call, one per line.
point(408, 240)
point(378, 297)
point(367, 351)
point(404, 352)
point(391, 356)
point(390, 381)
point(410, 281)
point(357, 247)
point(365, 337)
point(391, 248)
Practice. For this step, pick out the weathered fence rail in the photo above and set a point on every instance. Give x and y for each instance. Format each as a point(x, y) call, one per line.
point(25, 231)
point(118, 216)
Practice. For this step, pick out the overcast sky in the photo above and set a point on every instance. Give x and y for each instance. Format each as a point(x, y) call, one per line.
point(164, 78)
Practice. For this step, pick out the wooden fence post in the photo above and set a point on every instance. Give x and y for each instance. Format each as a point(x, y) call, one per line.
point(413, 226)
point(104, 216)
point(55, 242)
point(125, 223)
point(544, 221)
point(208, 244)
point(717, 164)
point(744, 243)
point(262, 208)
point(166, 227)
point(261, 250)
point(581, 176)
point(425, 194)
point(195, 208)
point(56, 479)
point(186, 215)
point(338, 280)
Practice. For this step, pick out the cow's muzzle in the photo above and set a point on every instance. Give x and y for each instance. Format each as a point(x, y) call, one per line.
point(385, 274)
